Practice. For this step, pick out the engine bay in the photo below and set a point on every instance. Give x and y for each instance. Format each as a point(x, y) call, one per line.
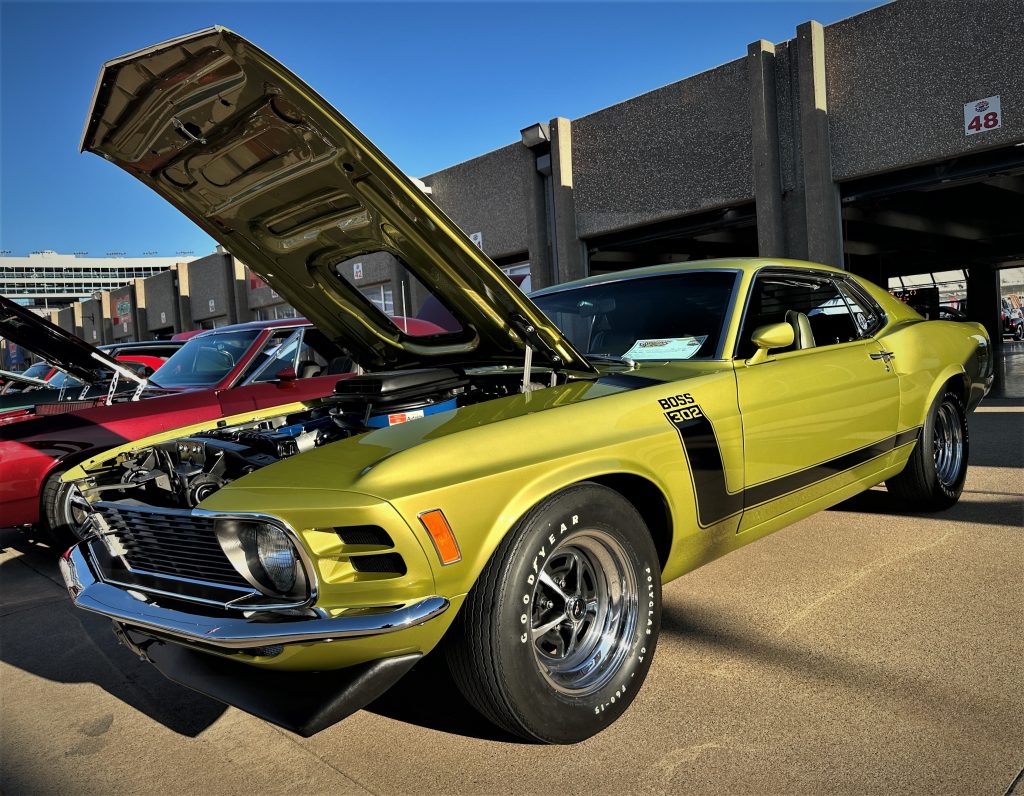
point(181, 473)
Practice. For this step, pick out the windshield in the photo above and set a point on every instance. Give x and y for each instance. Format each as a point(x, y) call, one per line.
point(61, 380)
point(671, 317)
point(205, 360)
point(38, 370)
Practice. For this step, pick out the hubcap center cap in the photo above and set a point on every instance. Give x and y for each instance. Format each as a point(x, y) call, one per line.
point(574, 608)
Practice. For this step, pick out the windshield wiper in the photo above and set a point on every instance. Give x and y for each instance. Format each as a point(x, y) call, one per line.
point(612, 358)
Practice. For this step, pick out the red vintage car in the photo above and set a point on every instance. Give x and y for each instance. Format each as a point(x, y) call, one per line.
point(216, 373)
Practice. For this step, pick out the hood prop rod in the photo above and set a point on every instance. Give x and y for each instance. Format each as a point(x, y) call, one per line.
point(532, 341)
point(527, 367)
point(118, 372)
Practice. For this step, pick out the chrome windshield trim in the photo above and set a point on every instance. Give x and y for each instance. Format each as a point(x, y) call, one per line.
point(234, 632)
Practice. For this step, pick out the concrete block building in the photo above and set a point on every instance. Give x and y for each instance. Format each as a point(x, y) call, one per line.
point(890, 143)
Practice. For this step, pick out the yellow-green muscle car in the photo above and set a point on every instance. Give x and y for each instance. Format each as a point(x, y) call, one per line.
point(514, 490)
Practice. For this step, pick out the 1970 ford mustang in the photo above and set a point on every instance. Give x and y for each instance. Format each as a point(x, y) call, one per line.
point(515, 489)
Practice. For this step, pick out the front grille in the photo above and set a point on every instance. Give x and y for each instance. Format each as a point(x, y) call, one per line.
point(178, 544)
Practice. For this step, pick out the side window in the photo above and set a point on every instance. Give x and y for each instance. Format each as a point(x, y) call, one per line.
point(866, 316)
point(268, 352)
point(814, 308)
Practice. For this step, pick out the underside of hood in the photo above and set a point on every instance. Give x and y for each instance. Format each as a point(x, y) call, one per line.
point(58, 347)
point(274, 173)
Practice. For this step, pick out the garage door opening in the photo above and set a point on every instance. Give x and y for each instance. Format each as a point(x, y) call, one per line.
point(931, 219)
point(730, 232)
point(941, 234)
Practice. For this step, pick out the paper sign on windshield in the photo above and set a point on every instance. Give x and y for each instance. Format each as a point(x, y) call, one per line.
point(666, 348)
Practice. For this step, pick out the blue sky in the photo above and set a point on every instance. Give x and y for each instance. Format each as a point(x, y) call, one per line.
point(432, 84)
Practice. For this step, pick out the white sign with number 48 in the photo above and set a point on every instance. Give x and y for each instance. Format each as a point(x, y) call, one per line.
point(982, 115)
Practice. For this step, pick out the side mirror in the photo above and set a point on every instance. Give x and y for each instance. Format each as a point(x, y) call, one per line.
point(767, 338)
point(286, 377)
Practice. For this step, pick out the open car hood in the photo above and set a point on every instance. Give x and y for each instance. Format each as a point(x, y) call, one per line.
point(58, 347)
point(286, 183)
point(10, 375)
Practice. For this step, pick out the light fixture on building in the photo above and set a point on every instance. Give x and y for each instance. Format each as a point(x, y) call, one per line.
point(536, 135)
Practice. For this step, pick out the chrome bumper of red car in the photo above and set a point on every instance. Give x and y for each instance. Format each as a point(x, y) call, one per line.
point(89, 592)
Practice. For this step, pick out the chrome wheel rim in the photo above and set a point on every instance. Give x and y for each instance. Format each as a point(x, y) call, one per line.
point(947, 444)
point(74, 511)
point(585, 608)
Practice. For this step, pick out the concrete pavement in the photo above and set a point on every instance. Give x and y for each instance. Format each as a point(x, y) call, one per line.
point(860, 651)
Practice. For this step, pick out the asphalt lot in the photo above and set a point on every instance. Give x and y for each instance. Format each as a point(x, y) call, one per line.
point(860, 651)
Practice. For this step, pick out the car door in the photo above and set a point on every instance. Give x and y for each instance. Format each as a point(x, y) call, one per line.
point(825, 405)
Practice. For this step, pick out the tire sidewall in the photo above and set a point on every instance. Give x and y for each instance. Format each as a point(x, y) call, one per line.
point(941, 491)
point(57, 520)
point(546, 713)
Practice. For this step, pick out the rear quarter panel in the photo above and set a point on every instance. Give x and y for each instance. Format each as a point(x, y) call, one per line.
point(930, 353)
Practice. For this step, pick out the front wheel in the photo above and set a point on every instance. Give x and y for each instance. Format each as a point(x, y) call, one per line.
point(557, 635)
point(62, 521)
point(1018, 332)
point(935, 473)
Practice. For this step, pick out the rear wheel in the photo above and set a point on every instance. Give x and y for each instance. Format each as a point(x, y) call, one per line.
point(63, 523)
point(557, 635)
point(935, 473)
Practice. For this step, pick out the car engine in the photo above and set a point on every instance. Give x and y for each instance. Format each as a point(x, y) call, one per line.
point(183, 472)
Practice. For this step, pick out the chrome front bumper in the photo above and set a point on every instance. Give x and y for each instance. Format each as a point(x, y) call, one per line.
point(233, 632)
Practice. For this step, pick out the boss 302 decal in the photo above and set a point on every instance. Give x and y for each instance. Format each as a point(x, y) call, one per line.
point(714, 500)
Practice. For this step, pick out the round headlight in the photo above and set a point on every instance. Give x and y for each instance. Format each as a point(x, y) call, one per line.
point(265, 555)
point(277, 556)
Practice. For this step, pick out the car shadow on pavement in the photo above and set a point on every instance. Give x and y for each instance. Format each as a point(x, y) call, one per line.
point(45, 635)
point(702, 631)
point(968, 509)
point(428, 697)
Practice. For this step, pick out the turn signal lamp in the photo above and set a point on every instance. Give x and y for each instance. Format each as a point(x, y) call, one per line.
point(441, 535)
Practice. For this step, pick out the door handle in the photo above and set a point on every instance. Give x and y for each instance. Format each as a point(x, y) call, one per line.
point(886, 355)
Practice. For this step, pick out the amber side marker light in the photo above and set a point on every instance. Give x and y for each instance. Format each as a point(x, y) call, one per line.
point(441, 535)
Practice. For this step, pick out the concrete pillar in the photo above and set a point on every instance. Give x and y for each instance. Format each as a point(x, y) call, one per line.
point(568, 247)
point(824, 228)
point(78, 322)
point(538, 242)
point(237, 276)
point(983, 300)
point(183, 323)
point(765, 139)
point(107, 325)
point(140, 317)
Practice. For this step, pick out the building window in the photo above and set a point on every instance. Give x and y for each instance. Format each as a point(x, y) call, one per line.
point(382, 297)
point(951, 285)
point(275, 313)
point(520, 274)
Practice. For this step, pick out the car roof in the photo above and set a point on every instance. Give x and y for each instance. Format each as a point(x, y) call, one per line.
point(282, 323)
point(743, 264)
point(141, 344)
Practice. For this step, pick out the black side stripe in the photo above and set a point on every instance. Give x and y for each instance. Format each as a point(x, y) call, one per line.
point(715, 503)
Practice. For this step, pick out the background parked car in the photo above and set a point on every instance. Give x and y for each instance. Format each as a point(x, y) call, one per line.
point(221, 372)
point(1012, 319)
